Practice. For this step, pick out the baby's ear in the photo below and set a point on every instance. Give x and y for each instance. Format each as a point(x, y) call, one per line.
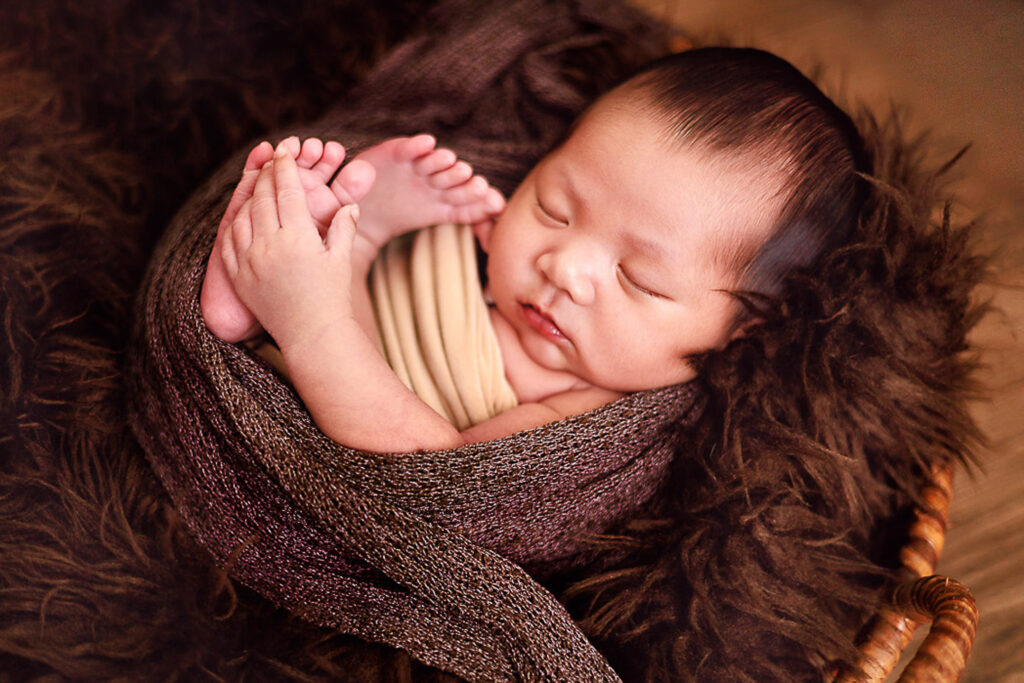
point(483, 231)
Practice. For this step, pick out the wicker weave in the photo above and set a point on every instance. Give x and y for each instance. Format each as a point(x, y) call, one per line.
point(920, 598)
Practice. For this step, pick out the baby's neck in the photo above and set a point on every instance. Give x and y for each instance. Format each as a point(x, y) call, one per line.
point(530, 381)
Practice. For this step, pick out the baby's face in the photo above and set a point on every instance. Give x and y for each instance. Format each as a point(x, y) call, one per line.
point(609, 259)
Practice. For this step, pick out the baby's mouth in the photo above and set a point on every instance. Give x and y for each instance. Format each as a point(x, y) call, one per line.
point(542, 323)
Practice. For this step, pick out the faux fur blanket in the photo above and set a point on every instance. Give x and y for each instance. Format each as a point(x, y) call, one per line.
point(780, 511)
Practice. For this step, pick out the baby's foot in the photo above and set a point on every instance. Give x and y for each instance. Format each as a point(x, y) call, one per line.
point(318, 164)
point(223, 312)
point(418, 185)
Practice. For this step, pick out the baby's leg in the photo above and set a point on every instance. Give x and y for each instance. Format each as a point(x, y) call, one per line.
point(223, 312)
point(418, 185)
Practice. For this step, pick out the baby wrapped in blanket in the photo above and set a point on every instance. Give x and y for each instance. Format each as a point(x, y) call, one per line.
point(612, 267)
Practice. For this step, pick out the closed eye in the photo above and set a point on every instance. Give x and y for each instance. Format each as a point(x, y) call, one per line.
point(549, 216)
point(633, 284)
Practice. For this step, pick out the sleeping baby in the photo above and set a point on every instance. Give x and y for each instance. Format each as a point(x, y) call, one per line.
point(632, 248)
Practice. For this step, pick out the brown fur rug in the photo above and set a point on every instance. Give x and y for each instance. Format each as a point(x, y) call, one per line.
point(785, 513)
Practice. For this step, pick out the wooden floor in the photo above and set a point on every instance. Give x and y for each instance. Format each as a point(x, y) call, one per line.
point(958, 68)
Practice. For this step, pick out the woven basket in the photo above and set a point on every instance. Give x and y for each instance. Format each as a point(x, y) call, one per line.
point(922, 597)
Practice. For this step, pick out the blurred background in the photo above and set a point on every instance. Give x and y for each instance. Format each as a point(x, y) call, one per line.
point(956, 69)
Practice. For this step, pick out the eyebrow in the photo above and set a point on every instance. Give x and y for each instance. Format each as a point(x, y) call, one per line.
point(568, 186)
point(649, 248)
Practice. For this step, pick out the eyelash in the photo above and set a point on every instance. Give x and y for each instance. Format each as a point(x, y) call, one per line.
point(638, 287)
point(551, 216)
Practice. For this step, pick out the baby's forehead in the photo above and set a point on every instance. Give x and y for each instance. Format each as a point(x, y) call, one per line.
point(699, 224)
point(752, 180)
point(756, 187)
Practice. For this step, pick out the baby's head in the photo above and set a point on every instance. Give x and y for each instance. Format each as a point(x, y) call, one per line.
point(710, 172)
point(758, 110)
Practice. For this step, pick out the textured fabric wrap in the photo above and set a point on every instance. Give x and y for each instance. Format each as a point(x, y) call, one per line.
point(434, 325)
point(425, 551)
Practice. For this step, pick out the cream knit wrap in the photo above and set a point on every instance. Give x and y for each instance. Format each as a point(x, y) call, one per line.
point(435, 327)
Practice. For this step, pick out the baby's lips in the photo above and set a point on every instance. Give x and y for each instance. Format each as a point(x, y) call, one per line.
point(543, 323)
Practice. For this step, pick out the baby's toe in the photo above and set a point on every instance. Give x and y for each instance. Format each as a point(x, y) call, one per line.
point(468, 192)
point(292, 144)
point(260, 154)
point(493, 201)
point(310, 153)
point(436, 161)
point(450, 178)
point(329, 161)
point(471, 213)
point(408, 149)
point(354, 181)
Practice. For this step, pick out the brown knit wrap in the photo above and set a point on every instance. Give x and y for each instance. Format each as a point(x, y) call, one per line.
point(419, 551)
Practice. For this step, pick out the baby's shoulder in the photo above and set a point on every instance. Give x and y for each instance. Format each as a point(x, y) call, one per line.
point(579, 401)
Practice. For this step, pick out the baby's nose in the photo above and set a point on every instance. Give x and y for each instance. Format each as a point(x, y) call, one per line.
point(572, 269)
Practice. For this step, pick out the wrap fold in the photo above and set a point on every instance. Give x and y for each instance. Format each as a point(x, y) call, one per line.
point(435, 327)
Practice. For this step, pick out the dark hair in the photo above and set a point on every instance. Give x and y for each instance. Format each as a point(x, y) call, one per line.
point(747, 100)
